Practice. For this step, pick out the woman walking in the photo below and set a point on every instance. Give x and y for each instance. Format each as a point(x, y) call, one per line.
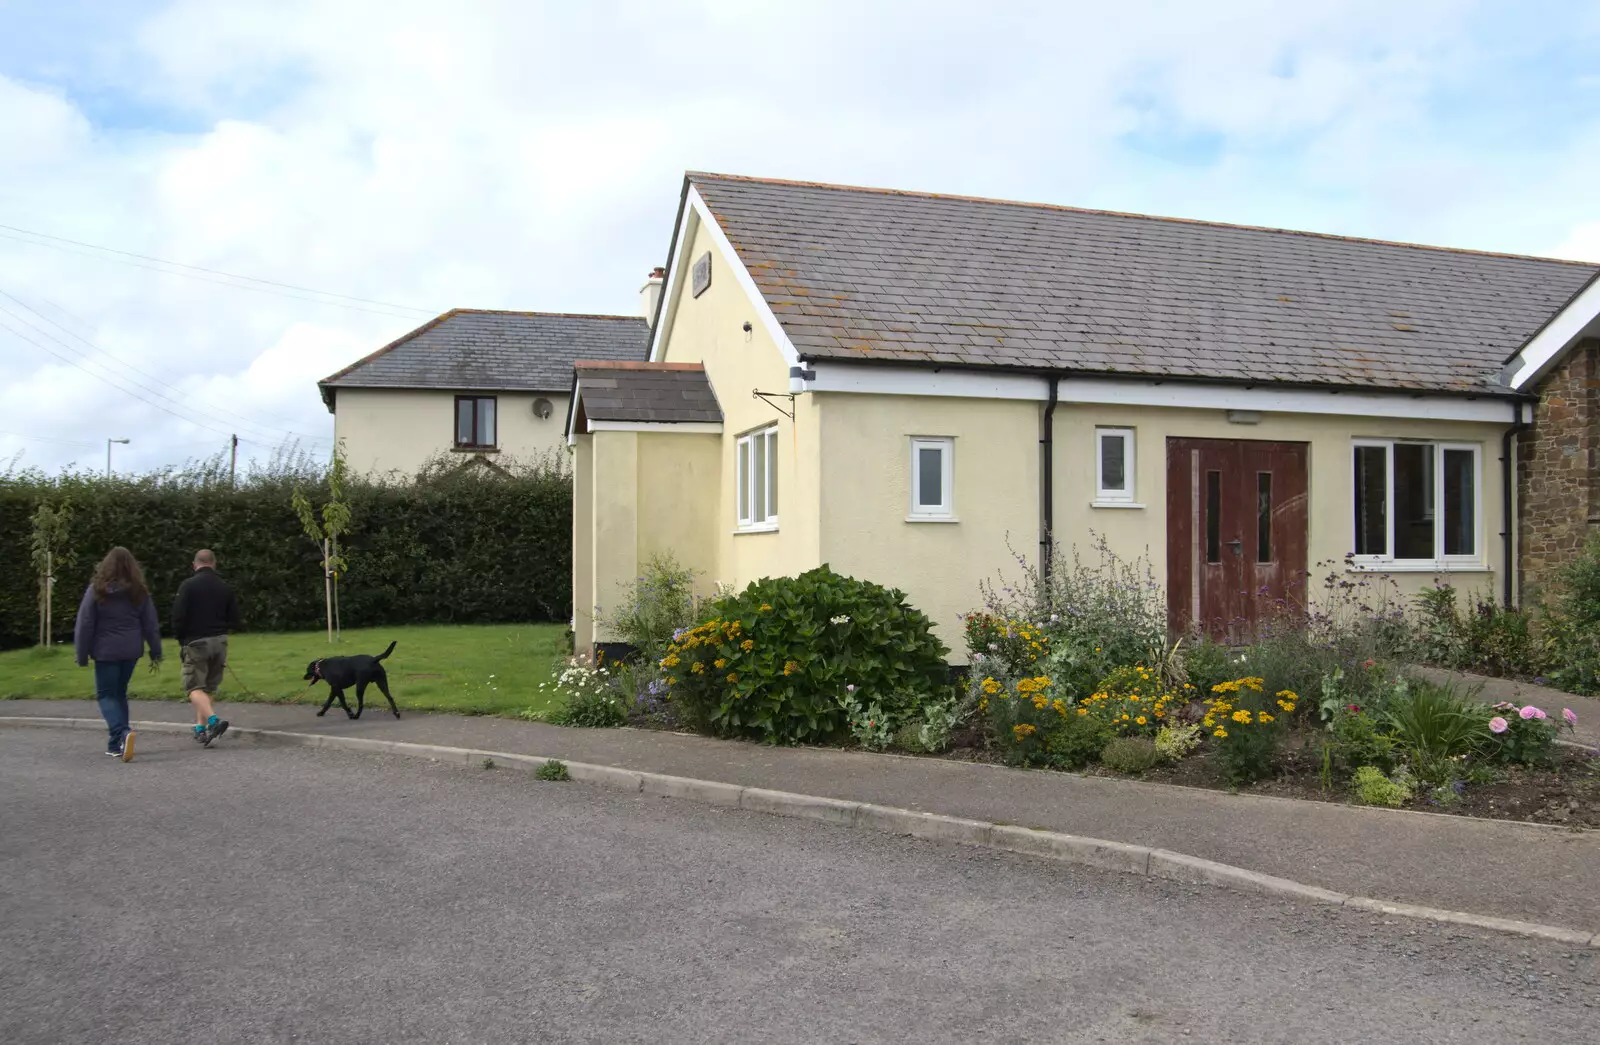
point(115, 621)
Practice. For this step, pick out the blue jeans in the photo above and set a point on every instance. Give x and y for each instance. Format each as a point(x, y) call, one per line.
point(111, 690)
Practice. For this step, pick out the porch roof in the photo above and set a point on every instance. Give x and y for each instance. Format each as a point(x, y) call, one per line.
point(641, 392)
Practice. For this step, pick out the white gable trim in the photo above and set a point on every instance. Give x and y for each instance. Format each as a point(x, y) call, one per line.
point(1579, 318)
point(696, 208)
point(885, 380)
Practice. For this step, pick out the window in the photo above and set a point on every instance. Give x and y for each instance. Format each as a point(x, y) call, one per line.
point(1113, 464)
point(932, 478)
point(1416, 502)
point(475, 422)
point(758, 479)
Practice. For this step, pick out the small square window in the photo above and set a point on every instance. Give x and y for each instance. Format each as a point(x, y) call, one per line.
point(1113, 467)
point(932, 477)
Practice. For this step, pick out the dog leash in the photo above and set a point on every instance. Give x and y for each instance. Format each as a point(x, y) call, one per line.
point(250, 692)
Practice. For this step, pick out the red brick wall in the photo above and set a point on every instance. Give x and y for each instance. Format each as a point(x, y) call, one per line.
point(1558, 460)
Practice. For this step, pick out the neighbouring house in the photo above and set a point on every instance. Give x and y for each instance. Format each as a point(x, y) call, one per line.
point(483, 385)
point(927, 384)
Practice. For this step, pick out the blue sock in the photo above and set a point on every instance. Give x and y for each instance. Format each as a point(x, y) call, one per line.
point(199, 729)
point(211, 721)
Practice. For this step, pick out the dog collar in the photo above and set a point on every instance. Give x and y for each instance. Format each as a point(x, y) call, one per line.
point(316, 671)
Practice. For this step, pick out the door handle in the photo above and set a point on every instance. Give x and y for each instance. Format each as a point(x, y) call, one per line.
point(1236, 544)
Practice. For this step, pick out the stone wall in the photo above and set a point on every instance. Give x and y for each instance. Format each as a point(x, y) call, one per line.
point(1558, 460)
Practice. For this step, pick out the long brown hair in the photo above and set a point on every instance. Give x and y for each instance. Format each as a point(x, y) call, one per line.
point(121, 570)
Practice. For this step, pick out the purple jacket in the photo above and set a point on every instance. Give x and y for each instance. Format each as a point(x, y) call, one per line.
point(115, 629)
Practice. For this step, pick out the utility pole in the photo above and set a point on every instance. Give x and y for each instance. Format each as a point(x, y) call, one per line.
point(233, 459)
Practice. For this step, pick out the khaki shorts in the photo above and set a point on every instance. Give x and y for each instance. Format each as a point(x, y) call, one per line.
point(203, 661)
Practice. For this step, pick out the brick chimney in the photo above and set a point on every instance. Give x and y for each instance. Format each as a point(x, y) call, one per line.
point(650, 294)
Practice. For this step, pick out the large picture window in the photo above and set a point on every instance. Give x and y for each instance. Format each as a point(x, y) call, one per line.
point(1416, 502)
point(475, 422)
point(758, 479)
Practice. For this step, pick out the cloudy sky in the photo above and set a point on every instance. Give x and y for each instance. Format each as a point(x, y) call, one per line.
point(368, 163)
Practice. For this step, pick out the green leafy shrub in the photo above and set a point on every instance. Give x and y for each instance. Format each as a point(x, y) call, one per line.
point(1356, 738)
point(1572, 620)
point(1372, 788)
point(1487, 638)
point(1131, 755)
point(654, 607)
point(930, 732)
point(1433, 727)
point(1176, 742)
point(445, 548)
point(1074, 742)
point(1208, 665)
point(774, 661)
point(870, 726)
point(1093, 616)
point(552, 770)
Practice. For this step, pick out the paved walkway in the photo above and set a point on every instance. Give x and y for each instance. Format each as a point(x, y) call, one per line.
point(1510, 870)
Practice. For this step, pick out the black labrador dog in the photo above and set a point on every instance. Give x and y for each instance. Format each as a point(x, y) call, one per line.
point(340, 673)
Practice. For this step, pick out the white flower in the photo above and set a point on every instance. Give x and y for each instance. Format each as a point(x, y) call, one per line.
point(849, 689)
point(840, 619)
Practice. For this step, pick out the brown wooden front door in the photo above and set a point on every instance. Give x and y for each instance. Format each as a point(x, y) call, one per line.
point(1236, 533)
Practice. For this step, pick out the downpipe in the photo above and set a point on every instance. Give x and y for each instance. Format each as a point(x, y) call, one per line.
point(1047, 489)
point(1508, 478)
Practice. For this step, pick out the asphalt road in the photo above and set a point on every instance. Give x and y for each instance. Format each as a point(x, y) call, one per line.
point(263, 895)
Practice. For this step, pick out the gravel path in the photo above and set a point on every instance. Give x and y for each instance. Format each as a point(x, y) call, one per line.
point(264, 895)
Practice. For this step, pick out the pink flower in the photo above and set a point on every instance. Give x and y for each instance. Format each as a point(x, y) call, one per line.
point(1529, 712)
point(1570, 715)
point(1497, 725)
point(1539, 714)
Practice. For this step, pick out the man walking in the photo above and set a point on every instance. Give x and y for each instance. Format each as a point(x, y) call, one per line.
point(201, 618)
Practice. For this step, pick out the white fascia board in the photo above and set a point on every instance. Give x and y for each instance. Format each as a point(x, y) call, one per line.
point(677, 427)
point(697, 208)
point(878, 380)
point(1580, 318)
point(676, 265)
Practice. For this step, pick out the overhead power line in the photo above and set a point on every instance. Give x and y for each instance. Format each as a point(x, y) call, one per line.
point(177, 268)
point(52, 439)
point(233, 420)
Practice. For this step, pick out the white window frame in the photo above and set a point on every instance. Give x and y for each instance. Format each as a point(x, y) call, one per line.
point(760, 441)
point(1124, 498)
point(944, 511)
point(1440, 561)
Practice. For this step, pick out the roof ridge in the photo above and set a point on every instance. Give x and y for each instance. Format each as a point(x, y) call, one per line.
point(546, 315)
point(632, 364)
point(915, 194)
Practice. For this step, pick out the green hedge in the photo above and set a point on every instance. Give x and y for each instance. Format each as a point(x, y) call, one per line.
point(462, 548)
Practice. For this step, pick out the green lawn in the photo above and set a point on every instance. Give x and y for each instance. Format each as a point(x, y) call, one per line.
point(468, 669)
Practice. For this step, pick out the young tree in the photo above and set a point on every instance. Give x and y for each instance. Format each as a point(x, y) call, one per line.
point(49, 553)
point(326, 532)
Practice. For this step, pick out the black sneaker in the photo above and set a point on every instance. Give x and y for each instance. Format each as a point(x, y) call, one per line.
point(114, 752)
point(215, 730)
point(202, 737)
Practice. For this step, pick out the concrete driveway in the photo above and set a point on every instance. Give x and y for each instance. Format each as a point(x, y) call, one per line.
point(262, 895)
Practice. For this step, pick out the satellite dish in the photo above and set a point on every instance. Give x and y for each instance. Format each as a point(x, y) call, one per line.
point(542, 408)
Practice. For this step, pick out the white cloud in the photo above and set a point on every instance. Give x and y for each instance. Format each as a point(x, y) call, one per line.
point(1581, 244)
point(522, 155)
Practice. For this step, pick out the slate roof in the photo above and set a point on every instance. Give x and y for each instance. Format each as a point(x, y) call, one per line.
point(658, 392)
point(482, 350)
point(878, 275)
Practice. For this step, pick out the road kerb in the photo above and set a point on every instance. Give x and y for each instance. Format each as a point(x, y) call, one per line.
point(1181, 867)
point(1094, 852)
point(710, 792)
point(809, 807)
point(1479, 921)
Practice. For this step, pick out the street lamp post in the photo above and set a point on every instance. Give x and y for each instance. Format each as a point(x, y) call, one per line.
point(124, 442)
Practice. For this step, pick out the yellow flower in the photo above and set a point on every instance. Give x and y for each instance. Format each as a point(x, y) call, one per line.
point(733, 678)
point(990, 686)
point(765, 608)
point(722, 662)
point(697, 667)
point(1141, 720)
point(1022, 730)
point(790, 667)
point(1241, 716)
point(1220, 732)
point(670, 660)
point(747, 645)
point(1264, 717)
point(1083, 711)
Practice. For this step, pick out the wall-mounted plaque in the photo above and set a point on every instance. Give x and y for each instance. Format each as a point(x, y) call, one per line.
point(700, 277)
